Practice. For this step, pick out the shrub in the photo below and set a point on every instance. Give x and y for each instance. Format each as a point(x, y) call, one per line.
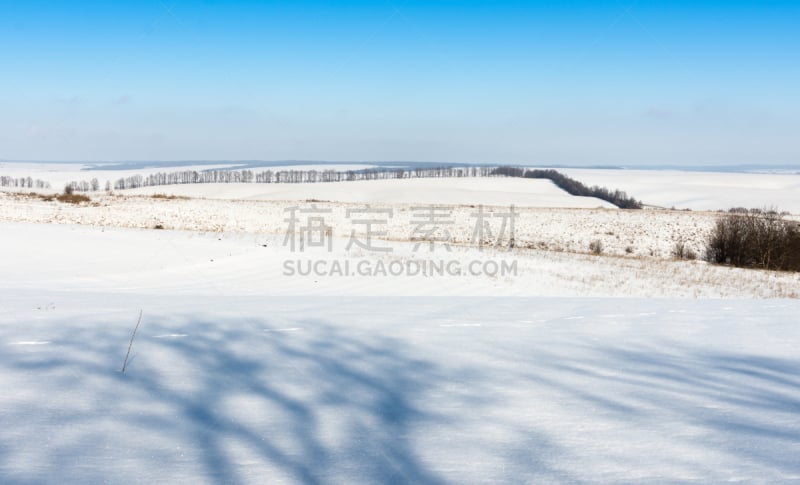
point(682, 251)
point(596, 246)
point(679, 250)
point(73, 198)
point(756, 238)
point(69, 189)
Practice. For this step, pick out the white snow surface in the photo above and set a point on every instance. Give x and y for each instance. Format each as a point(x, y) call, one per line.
point(493, 191)
point(628, 233)
point(208, 264)
point(233, 380)
point(568, 371)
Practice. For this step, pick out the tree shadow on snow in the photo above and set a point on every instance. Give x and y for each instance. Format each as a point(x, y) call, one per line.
point(304, 400)
point(228, 401)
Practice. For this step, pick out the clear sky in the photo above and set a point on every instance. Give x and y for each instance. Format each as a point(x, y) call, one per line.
point(539, 82)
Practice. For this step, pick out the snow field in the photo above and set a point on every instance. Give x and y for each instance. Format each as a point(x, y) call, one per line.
point(189, 263)
point(629, 233)
point(625, 367)
point(244, 389)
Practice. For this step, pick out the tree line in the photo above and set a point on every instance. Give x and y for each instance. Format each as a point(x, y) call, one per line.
point(23, 183)
point(294, 176)
point(573, 187)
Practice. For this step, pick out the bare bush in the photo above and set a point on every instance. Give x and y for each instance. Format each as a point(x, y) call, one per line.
point(73, 198)
point(596, 246)
point(682, 251)
point(679, 250)
point(756, 238)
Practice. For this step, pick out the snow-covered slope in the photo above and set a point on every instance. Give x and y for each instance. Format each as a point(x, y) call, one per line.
point(243, 373)
point(189, 263)
point(628, 233)
point(495, 191)
point(224, 388)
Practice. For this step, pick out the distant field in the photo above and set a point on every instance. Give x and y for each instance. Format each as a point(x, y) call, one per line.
point(443, 191)
point(643, 233)
point(661, 188)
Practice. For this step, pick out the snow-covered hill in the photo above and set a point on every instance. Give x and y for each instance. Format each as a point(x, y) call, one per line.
point(227, 384)
point(258, 363)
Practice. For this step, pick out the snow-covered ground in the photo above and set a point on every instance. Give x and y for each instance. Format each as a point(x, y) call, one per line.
point(255, 363)
point(700, 190)
point(189, 263)
point(375, 379)
point(627, 233)
point(495, 191)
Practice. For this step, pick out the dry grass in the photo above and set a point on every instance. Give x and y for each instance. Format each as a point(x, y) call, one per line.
point(65, 198)
point(32, 195)
point(72, 198)
point(169, 197)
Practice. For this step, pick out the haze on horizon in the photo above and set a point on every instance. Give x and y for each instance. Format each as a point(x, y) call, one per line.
point(529, 82)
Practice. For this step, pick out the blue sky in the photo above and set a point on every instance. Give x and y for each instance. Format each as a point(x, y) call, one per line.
point(551, 82)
